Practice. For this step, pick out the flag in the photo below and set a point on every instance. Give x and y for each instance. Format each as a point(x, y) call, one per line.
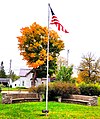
point(55, 21)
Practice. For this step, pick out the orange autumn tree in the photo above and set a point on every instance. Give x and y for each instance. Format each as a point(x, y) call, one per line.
point(81, 75)
point(33, 47)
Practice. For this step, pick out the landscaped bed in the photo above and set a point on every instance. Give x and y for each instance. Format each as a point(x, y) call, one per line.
point(33, 110)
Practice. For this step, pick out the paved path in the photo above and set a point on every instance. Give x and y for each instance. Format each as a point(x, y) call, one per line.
point(14, 91)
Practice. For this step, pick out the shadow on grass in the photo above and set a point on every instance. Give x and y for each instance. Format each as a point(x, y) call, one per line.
point(41, 115)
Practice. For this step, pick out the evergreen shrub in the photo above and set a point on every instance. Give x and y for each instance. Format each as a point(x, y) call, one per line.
point(89, 89)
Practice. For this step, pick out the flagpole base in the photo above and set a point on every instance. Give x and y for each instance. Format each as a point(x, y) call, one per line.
point(45, 111)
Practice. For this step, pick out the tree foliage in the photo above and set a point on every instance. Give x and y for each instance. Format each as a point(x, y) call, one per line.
point(13, 76)
point(33, 47)
point(65, 73)
point(2, 71)
point(89, 69)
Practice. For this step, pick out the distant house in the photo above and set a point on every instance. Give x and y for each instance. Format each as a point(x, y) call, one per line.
point(25, 79)
point(6, 81)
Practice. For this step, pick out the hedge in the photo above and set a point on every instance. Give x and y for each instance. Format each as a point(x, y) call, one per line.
point(89, 89)
point(55, 89)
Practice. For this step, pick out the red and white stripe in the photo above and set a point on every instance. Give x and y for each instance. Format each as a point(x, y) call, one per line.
point(55, 21)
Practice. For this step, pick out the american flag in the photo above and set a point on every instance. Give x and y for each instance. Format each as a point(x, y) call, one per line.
point(55, 21)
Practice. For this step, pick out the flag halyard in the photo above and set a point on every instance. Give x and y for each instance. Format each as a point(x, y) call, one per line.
point(56, 22)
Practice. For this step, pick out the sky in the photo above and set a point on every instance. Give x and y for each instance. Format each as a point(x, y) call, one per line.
point(80, 17)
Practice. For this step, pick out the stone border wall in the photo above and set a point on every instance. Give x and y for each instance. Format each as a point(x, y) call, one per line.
point(81, 99)
point(20, 97)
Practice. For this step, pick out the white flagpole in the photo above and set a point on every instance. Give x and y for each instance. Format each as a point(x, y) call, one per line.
point(47, 61)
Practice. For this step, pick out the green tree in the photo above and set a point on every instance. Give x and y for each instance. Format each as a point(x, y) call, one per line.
point(65, 74)
point(2, 71)
point(33, 47)
point(13, 76)
point(89, 69)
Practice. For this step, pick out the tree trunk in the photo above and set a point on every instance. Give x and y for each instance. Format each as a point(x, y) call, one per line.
point(34, 78)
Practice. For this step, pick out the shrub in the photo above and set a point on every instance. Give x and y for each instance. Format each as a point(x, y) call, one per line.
point(33, 89)
point(2, 86)
point(51, 91)
point(55, 89)
point(0, 89)
point(62, 89)
point(89, 89)
point(40, 89)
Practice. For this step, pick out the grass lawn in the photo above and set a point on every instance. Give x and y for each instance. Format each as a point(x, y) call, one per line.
point(12, 89)
point(33, 110)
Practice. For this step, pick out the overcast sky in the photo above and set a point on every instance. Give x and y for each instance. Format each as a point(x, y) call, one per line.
point(80, 17)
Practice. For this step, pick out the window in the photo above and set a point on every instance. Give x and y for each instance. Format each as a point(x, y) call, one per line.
point(23, 83)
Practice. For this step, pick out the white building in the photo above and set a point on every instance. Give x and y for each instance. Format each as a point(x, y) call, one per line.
point(25, 79)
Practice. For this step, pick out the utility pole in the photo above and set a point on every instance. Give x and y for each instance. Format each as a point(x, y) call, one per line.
point(67, 57)
point(10, 68)
point(10, 71)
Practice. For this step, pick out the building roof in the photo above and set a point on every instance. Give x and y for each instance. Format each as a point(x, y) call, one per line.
point(4, 80)
point(24, 72)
